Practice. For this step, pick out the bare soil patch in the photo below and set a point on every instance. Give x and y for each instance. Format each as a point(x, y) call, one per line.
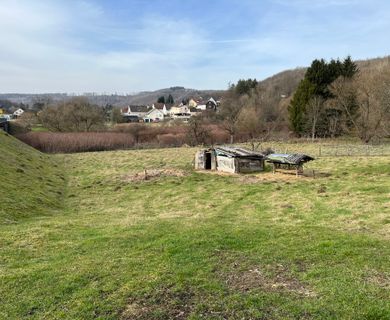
point(153, 174)
point(276, 278)
point(379, 279)
point(167, 303)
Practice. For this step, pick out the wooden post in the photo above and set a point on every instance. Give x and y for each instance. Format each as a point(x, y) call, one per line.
point(145, 175)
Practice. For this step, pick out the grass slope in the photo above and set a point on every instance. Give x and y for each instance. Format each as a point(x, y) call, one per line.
point(203, 246)
point(32, 183)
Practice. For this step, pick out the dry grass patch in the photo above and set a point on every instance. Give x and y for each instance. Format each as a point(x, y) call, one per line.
point(277, 278)
point(165, 303)
point(153, 174)
point(379, 279)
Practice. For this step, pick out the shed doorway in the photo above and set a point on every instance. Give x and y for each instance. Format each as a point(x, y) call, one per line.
point(208, 160)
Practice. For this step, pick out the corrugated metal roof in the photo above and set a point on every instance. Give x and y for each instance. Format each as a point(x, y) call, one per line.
point(238, 152)
point(295, 158)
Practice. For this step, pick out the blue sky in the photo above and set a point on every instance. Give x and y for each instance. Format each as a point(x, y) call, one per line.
point(134, 45)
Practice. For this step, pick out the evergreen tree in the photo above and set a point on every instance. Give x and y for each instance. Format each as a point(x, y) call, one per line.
point(245, 86)
point(349, 68)
point(297, 108)
point(316, 83)
point(170, 99)
point(161, 99)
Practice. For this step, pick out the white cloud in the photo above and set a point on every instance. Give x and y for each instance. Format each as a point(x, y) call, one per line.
point(75, 46)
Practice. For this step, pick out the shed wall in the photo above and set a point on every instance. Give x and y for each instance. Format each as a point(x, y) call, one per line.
point(226, 164)
point(250, 165)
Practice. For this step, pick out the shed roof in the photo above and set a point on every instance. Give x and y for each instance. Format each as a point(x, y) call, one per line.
point(237, 152)
point(295, 158)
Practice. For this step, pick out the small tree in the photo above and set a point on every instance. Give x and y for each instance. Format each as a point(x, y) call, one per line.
point(197, 132)
point(116, 116)
point(231, 107)
point(313, 112)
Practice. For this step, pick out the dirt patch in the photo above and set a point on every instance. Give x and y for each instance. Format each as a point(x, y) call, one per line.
point(166, 303)
point(379, 279)
point(276, 278)
point(153, 174)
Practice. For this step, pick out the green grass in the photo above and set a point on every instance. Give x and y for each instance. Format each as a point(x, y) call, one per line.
point(32, 183)
point(201, 246)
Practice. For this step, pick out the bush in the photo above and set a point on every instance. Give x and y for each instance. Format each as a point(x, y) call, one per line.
point(122, 136)
point(54, 142)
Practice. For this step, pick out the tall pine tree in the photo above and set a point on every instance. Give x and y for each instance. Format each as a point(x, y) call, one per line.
point(316, 82)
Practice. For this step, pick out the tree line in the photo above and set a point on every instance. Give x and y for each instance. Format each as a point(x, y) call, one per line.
point(333, 99)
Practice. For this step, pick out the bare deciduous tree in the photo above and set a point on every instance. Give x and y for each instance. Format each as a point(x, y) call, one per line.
point(75, 115)
point(231, 107)
point(372, 93)
point(313, 111)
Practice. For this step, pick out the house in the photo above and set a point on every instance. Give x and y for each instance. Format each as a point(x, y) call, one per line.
point(201, 105)
point(165, 108)
point(154, 115)
point(192, 103)
point(211, 104)
point(229, 159)
point(139, 111)
point(18, 112)
point(181, 111)
point(194, 111)
point(281, 161)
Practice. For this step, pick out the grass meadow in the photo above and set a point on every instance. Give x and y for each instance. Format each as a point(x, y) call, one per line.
point(192, 245)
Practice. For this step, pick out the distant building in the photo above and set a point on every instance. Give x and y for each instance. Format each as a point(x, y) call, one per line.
point(139, 111)
point(165, 108)
point(154, 115)
point(18, 113)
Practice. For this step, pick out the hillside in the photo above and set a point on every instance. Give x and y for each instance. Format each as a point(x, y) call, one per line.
point(32, 183)
point(141, 98)
point(283, 83)
point(286, 82)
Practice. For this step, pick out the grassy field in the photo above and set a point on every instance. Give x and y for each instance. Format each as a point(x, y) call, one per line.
point(188, 245)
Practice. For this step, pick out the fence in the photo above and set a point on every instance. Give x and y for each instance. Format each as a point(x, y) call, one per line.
point(332, 150)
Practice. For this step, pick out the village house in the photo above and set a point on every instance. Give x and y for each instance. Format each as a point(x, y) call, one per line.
point(154, 115)
point(165, 108)
point(135, 113)
point(211, 104)
point(201, 106)
point(194, 111)
point(180, 111)
point(192, 103)
point(18, 113)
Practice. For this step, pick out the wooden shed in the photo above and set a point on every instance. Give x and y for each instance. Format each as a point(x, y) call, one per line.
point(229, 159)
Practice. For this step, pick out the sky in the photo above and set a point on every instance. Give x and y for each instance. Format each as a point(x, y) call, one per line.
point(121, 46)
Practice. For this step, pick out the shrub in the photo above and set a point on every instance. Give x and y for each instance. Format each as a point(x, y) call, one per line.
point(53, 142)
